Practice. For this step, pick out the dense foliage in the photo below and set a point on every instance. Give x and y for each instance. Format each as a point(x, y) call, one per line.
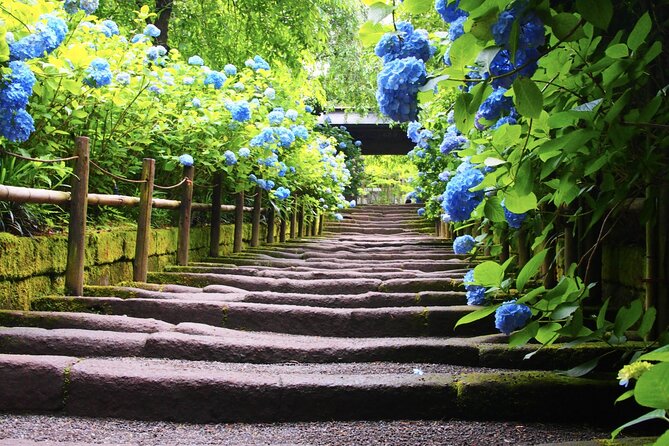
point(539, 124)
point(69, 73)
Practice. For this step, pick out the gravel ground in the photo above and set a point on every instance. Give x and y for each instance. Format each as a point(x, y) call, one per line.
point(45, 430)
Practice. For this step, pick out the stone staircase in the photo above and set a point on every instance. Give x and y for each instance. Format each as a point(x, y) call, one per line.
point(358, 324)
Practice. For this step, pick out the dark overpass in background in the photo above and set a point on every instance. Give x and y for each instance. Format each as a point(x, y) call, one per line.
point(376, 134)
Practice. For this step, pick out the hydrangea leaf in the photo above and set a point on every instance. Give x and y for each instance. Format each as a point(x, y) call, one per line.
point(370, 33)
point(493, 210)
point(597, 12)
point(640, 32)
point(476, 315)
point(522, 337)
point(519, 204)
point(530, 269)
point(528, 98)
point(563, 25)
point(418, 6)
point(379, 11)
point(4, 47)
point(489, 274)
point(655, 414)
point(627, 316)
point(617, 51)
point(547, 333)
point(652, 388)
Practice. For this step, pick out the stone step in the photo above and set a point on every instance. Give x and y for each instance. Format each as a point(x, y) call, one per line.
point(291, 319)
point(185, 391)
point(199, 342)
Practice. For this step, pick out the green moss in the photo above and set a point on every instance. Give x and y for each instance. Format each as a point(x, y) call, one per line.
point(224, 320)
point(69, 305)
point(109, 291)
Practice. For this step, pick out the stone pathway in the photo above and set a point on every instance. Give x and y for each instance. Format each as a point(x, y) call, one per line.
point(355, 325)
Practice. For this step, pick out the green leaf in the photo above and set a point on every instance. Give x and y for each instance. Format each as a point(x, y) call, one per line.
point(530, 269)
point(564, 310)
point(658, 413)
point(476, 315)
point(463, 119)
point(547, 333)
point(582, 369)
point(520, 204)
point(371, 33)
point(652, 388)
point(379, 11)
point(624, 396)
point(647, 322)
point(529, 100)
point(524, 179)
point(493, 210)
point(617, 51)
point(523, 336)
point(638, 35)
point(563, 25)
point(531, 295)
point(464, 50)
point(660, 354)
point(433, 82)
point(489, 274)
point(597, 12)
point(601, 317)
point(418, 6)
point(626, 317)
point(493, 162)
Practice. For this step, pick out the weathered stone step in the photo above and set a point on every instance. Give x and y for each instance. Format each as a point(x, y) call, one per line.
point(364, 230)
point(199, 342)
point(222, 293)
point(418, 265)
point(450, 281)
point(292, 319)
point(137, 388)
point(302, 275)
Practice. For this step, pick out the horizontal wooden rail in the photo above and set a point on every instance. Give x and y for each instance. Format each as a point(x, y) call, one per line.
point(44, 196)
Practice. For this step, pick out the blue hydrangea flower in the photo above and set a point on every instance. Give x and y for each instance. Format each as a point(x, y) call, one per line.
point(398, 85)
point(244, 152)
point(156, 89)
point(444, 176)
point(195, 60)
point(514, 220)
point(151, 30)
point(407, 42)
point(265, 137)
point(510, 119)
point(420, 212)
point(282, 193)
point(531, 32)
point(152, 53)
point(308, 108)
point(459, 202)
point(16, 125)
point(292, 115)
point(338, 217)
point(111, 26)
point(260, 64)
point(186, 160)
point(286, 137)
point(230, 158)
point(139, 38)
point(230, 69)
point(188, 80)
point(352, 203)
point(525, 63)
point(71, 6)
point(300, 132)
point(238, 87)
point(215, 78)
point(464, 244)
point(270, 93)
point(493, 107)
point(475, 293)
point(456, 29)
point(123, 78)
point(17, 87)
point(89, 6)
point(98, 73)
point(196, 103)
point(358, 143)
point(449, 11)
point(413, 131)
point(276, 117)
point(453, 141)
point(511, 316)
point(50, 33)
point(240, 110)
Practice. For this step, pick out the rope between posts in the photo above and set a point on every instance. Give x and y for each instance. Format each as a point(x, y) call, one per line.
point(38, 160)
point(174, 186)
point(116, 177)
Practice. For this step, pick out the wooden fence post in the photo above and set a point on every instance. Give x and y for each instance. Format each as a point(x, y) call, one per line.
point(282, 229)
point(239, 221)
point(300, 221)
point(215, 225)
point(183, 244)
point(321, 223)
point(76, 237)
point(314, 225)
point(270, 223)
point(141, 264)
point(293, 220)
point(255, 222)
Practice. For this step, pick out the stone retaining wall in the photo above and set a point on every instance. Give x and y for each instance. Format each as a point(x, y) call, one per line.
point(35, 266)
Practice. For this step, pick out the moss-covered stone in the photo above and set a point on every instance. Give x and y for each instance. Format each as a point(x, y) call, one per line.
point(69, 305)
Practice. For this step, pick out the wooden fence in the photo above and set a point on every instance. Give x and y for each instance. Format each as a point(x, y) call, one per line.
point(79, 198)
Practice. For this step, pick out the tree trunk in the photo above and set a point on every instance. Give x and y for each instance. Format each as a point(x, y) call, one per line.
point(164, 11)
